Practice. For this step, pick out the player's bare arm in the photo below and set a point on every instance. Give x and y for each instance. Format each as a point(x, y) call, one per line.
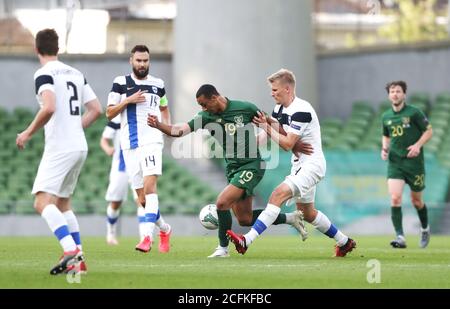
point(93, 111)
point(105, 144)
point(176, 130)
point(41, 118)
point(414, 150)
point(385, 142)
point(113, 110)
point(165, 114)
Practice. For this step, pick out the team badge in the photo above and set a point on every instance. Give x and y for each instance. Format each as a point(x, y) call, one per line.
point(405, 121)
point(239, 120)
point(155, 90)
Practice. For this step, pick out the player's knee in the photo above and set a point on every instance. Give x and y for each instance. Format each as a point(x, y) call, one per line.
point(222, 205)
point(278, 196)
point(396, 199)
point(417, 202)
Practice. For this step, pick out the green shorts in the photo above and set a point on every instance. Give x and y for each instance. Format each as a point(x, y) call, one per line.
point(412, 174)
point(246, 176)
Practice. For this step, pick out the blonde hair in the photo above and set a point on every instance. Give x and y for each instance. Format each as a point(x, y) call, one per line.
point(283, 75)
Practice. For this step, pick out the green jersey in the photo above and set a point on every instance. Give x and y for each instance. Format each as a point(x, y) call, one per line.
point(233, 130)
point(404, 128)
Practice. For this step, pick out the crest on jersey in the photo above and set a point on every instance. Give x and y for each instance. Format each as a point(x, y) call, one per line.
point(389, 122)
point(155, 90)
point(239, 120)
point(405, 121)
point(219, 120)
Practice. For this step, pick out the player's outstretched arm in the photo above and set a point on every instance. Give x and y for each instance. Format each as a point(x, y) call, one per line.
point(176, 130)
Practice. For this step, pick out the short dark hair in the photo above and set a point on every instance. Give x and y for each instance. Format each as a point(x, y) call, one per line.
point(140, 48)
point(47, 42)
point(400, 83)
point(207, 90)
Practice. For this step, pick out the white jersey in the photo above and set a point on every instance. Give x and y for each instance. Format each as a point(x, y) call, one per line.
point(112, 132)
point(134, 129)
point(300, 118)
point(64, 131)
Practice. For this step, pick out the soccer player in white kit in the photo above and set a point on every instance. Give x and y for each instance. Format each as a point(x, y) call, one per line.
point(300, 121)
point(134, 96)
point(117, 191)
point(60, 91)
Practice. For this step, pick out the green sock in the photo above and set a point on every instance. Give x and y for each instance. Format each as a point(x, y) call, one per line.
point(225, 223)
point(281, 219)
point(396, 216)
point(423, 216)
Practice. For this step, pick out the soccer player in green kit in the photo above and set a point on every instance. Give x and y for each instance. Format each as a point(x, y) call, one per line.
point(230, 123)
point(405, 130)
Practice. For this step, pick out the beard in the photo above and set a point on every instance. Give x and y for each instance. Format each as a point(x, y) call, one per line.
point(140, 73)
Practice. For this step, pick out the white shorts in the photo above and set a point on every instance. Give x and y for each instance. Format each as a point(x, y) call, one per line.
point(58, 173)
point(143, 161)
point(303, 180)
point(118, 186)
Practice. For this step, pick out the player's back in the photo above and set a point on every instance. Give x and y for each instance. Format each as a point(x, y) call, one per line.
point(64, 131)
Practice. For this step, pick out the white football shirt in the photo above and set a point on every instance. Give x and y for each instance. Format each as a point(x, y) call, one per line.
point(64, 131)
point(134, 130)
point(301, 119)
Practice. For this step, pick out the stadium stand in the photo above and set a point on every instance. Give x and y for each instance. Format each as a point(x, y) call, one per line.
point(179, 190)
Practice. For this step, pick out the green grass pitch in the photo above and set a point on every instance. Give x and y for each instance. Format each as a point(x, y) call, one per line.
point(271, 262)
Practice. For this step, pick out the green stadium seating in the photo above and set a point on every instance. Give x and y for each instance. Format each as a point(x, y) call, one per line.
point(19, 169)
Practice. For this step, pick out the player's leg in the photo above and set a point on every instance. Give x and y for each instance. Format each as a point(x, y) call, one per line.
point(415, 178)
point(422, 211)
point(57, 176)
point(322, 223)
point(150, 159)
point(112, 217)
point(140, 214)
point(116, 193)
point(281, 194)
point(395, 187)
point(229, 195)
point(45, 205)
point(246, 216)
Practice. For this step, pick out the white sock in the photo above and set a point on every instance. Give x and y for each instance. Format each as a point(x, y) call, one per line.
point(264, 220)
point(163, 226)
point(58, 225)
point(112, 215)
point(141, 220)
point(74, 227)
point(151, 211)
point(324, 225)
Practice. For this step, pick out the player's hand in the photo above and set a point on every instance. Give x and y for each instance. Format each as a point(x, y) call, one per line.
point(22, 139)
point(260, 120)
point(152, 120)
point(413, 151)
point(384, 154)
point(137, 97)
point(304, 148)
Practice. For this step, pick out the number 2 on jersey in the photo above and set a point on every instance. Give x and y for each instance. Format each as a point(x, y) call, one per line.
point(73, 110)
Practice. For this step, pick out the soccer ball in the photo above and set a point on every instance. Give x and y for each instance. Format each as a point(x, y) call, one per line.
point(208, 217)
